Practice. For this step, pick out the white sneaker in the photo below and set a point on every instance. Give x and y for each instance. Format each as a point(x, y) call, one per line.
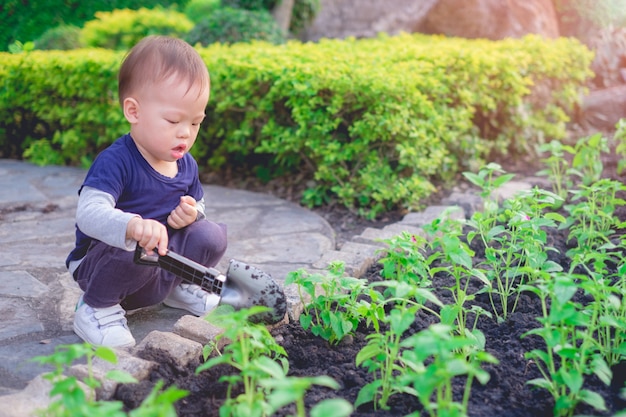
point(192, 298)
point(102, 326)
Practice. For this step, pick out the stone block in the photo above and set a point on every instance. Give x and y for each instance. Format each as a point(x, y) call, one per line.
point(180, 349)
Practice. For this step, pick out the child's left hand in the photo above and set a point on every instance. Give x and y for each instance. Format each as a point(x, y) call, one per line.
point(184, 214)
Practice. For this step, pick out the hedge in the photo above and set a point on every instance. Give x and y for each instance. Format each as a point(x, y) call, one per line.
point(374, 124)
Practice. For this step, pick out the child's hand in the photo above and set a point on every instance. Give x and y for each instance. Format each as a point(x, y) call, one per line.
point(184, 214)
point(149, 234)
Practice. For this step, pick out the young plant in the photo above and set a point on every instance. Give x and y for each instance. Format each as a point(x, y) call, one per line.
point(455, 260)
point(70, 399)
point(432, 359)
point(284, 390)
point(587, 161)
point(250, 349)
point(591, 220)
point(515, 246)
point(333, 313)
point(571, 348)
point(381, 355)
point(557, 169)
point(488, 179)
point(404, 260)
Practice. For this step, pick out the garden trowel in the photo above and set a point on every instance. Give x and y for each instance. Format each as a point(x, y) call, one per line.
point(243, 285)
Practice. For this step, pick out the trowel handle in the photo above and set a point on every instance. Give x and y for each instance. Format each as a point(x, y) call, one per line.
point(209, 279)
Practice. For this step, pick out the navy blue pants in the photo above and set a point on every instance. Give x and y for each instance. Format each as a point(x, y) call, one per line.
point(109, 276)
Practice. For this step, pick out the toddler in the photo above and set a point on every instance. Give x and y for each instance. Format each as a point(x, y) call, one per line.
point(144, 190)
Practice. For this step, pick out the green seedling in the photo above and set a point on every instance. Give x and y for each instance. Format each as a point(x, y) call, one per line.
point(404, 260)
point(514, 246)
point(591, 221)
point(332, 313)
point(432, 359)
point(587, 161)
point(71, 400)
point(250, 348)
point(557, 169)
point(381, 355)
point(571, 348)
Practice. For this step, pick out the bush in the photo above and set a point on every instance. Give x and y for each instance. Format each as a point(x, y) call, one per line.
point(196, 10)
point(236, 25)
point(122, 29)
point(372, 124)
point(28, 20)
point(62, 37)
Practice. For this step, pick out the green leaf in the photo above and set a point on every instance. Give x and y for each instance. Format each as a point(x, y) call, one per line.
point(367, 393)
point(336, 407)
point(593, 399)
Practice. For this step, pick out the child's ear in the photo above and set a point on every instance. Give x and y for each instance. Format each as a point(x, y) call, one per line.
point(131, 109)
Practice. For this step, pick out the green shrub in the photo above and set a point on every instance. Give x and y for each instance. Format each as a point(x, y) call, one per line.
point(196, 10)
point(373, 124)
point(236, 25)
point(122, 29)
point(27, 20)
point(62, 37)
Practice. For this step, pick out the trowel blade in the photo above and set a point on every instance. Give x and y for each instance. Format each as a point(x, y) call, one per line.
point(248, 286)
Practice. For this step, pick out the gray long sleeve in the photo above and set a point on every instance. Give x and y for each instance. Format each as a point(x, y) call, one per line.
point(97, 217)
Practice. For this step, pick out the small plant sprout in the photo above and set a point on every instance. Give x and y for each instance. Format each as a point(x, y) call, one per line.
point(557, 169)
point(571, 348)
point(333, 313)
point(251, 346)
point(432, 359)
point(488, 179)
point(70, 399)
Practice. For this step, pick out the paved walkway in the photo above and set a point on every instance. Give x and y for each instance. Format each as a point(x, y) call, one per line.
point(37, 294)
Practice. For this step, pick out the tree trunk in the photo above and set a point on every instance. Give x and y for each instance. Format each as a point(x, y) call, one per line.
point(282, 14)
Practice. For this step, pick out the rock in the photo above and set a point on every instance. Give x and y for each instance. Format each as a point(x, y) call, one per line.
point(138, 368)
point(602, 109)
point(26, 403)
point(492, 19)
point(180, 349)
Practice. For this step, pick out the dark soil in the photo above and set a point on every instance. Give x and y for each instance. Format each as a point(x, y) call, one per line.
point(506, 394)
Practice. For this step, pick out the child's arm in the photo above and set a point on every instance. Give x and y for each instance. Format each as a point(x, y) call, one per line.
point(97, 217)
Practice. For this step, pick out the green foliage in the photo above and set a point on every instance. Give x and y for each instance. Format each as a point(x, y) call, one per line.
point(372, 124)
point(228, 25)
point(197, 10)
point(59, 106)
point(62, 37)
point(74, 398)
point(122, 29)
point(333, 310)
point(26, 20)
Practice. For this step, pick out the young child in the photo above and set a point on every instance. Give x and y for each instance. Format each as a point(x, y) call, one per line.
point(144, 189)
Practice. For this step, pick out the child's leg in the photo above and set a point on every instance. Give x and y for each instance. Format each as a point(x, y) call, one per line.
point(202, 241)
point(108, 274)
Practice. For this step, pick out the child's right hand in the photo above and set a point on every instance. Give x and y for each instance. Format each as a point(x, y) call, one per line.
point(149, 234)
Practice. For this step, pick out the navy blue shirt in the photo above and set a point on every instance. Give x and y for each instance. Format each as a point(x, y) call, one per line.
point(121, 170)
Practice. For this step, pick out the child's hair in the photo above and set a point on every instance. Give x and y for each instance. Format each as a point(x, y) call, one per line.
point(155, 58)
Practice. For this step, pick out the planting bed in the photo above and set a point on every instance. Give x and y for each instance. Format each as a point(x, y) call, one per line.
point(505, 394)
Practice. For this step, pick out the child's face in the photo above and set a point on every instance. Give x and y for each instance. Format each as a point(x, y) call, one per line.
point(165, 118)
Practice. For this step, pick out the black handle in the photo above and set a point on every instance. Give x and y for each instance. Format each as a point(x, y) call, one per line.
point(209, 279)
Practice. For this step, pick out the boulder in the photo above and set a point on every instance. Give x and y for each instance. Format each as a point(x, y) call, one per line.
point(491, 19)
